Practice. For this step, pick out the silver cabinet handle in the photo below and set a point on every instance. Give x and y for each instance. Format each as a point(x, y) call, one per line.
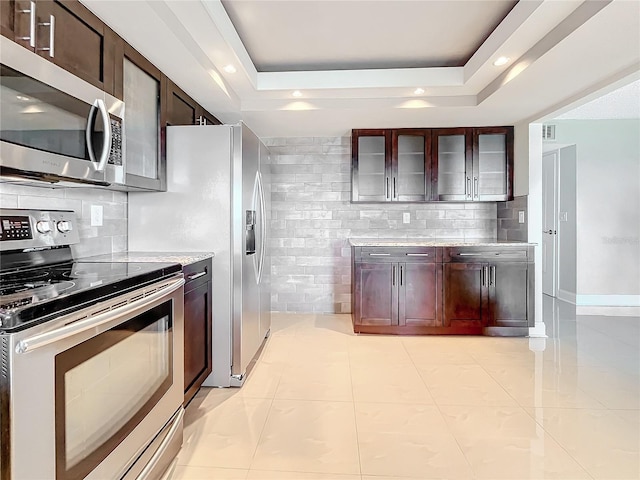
point(475, 187)
point(395, 195)
point(52, 35)
point(467, 191)
point(197, 275)
point(470, 254)
point(482, 280)
point(32, 25)
point(379, 254)
point(387, 196)
point(492, 278)
point(393, 275)
point(66, 331)
point(485, 276)
point(401, 268)
point(417, 254)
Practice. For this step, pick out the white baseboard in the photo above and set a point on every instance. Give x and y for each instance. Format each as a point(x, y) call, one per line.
point(608, 300)
point(567, 296)
point(609, 311)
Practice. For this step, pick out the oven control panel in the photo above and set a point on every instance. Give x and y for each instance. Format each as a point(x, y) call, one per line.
point(33, 229)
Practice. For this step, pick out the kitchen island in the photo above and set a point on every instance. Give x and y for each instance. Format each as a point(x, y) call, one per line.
point(439, 286)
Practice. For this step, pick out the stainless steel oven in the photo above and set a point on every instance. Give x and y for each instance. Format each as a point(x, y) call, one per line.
point(91, 384)
point(55, 126)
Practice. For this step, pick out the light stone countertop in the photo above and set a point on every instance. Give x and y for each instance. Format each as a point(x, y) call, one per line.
point(433, 242)
point(183, 258)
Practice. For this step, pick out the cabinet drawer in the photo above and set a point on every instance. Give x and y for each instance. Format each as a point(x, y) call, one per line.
point(197, 273)
point(397, 254)
point(486, 254)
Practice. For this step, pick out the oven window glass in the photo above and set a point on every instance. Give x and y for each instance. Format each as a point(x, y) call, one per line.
point(39, 116)
point(106, 385)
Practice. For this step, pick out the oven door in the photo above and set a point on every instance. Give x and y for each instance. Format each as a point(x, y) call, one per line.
point(89, 395)
point(54, 124)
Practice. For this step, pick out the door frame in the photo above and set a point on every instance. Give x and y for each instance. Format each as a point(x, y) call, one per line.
point(550, 161)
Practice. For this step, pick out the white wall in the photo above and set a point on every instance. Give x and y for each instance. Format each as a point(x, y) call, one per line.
point(608, 209)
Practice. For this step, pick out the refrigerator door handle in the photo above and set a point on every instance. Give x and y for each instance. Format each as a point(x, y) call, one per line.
point(263, 227)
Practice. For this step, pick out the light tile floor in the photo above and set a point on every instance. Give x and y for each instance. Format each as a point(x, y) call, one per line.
point(325, 404)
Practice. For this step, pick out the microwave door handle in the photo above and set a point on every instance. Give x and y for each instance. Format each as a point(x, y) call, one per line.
point(106, 145)
point(99, 164)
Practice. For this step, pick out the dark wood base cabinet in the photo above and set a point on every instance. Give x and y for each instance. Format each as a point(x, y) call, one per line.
point(443, 290)
point(197, 326)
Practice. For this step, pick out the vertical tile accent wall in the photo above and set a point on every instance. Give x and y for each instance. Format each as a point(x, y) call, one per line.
point(108, 238)
point(313, 218)
point(508, 226)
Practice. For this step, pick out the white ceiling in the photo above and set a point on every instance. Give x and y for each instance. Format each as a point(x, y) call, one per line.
point(622, 103)
point(561, 52)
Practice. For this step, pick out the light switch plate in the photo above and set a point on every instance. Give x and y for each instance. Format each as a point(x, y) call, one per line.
point(562, 217)
point(406, 217)
point(96, 215)
point(521, 216)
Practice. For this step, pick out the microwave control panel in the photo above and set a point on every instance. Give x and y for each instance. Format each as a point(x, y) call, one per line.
point(115, 154)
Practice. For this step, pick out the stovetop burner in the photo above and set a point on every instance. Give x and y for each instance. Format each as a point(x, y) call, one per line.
point(14, 296)
point(33, 295)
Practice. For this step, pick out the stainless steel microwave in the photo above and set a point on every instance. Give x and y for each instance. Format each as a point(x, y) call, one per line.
point(55, 126)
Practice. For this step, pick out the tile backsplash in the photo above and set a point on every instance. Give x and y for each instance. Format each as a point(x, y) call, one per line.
point(509, 228)
point(313, 218)
point(108, 238)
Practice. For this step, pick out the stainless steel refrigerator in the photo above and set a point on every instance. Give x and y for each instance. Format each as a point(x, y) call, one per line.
point(216, 202)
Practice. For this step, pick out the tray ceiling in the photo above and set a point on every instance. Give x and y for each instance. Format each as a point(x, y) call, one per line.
point(309, 67)
point(344, 35)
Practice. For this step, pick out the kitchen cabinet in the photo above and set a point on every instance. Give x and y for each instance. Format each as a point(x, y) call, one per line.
point(181, 108)
point(473, 164)
point(391, 165)
point(443, 290)
point(67, 34)
point(197, 326)
point(145, 158)
point(395, 289)
point(489, 288)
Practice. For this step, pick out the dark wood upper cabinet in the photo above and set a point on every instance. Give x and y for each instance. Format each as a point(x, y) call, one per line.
point(8, 18)
point(69, 35)
point(453, 164)
point(421, 165)
point(205, 118)
point(411, 165)
point(142, 87)
point(473, 164)
point(371, 166)
point(181, 108)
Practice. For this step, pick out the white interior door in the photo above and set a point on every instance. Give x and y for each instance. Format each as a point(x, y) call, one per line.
point(550, 223)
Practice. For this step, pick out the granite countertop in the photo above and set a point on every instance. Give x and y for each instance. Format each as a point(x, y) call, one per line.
point(183, 258)
point(433, 242)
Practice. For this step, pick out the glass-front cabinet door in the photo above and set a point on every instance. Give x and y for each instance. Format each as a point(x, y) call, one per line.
point(411, 165)
point(371, 166)
point(454, 162)
point(491, 172)
point(145, 168)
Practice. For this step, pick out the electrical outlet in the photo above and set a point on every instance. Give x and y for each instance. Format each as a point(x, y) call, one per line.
point(406, 217)
point(96, 215)
point(521, 216)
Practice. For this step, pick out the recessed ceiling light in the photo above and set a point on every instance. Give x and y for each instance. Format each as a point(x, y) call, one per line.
point(418, 91)
point(229, 68)
point(23, 98)
point(297, 93)
point(501, 61)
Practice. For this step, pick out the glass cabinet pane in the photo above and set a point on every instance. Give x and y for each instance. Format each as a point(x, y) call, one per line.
point(411, 174)
point(371, 165)
point(492, 164)
point(451, 165)
point(141, 94)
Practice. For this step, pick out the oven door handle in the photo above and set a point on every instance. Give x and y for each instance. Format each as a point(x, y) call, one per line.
point(52, 336)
